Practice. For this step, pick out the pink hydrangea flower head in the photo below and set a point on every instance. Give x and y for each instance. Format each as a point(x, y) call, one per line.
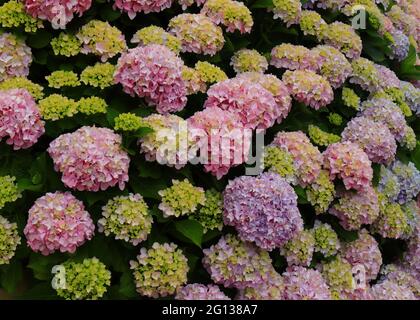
point(306, 157)
point(277, 88)
point(263, 209)
point(90, 159)
point(411, 260)
point(333, 65)
point(15, 57)
point(293, 57)
point(387, 77)
point(304, 284)
point(221, 138)
point(232, 14)
point(349, 162)
point(20, 119)
point(198, 34)
point(132, 7)
point(58, 12)
point(355, 209)
point(58, 221)
point(387, 112)
point(236, 264)
point(153, 72)
point(271, 289)
point(373, 137)
point(390, 290)
point(198, 291)
point(309, 88)
point(365, 252)
point(402, 276)
point(254, 105)
point(344, 38)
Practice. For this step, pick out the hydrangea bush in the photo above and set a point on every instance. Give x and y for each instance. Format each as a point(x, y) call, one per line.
point(209, 150)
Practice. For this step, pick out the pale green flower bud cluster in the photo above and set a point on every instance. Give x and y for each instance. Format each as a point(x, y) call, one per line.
point(321, 192)
point(326, 240)
point(23, 83)
point(126, 217)
point(210, 215)
point(248, 60)
point(181, 198)
point(66, 45)
point(322, 138)
point(350, 98)
point(9, 191)
point(281, 162)
point(157, 35)
point(159, 271)
point(9, 240)
point(335, 119)
point(62, 78)
point(299, 250)
point(92, 105)
point(13, 15)
point(86, 280)
point(338, 275)
point(128, 122)
point(99, 75)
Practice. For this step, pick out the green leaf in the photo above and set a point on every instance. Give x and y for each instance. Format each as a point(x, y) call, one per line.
point(191, 229)
point(263, 4)
point(40, 39)
point(127, 287)
point(301, 193)
point(108, 14)
point(11, 276)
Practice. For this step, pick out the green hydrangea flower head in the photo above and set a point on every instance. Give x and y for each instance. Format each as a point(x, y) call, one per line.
point(56, 107)
point(321, 192)
point(181, 198)
point(86, 280)
point(350, 98)
point(160, 270)
point(210, 215)
point(128, 122)
point(9, 240)
point(157, 35)
point(66, 45)
point(126, 217)
point(210, 73)
point(100, 75)
point(23, 83)
point(335, 119)
point(62, 78)
point(9, 191)
point(92, 105)
point(13, 15)
point(281, 162)
point(320, 137)
point(326, 240)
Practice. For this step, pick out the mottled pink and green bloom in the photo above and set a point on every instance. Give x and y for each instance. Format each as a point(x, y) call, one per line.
point(198, 291)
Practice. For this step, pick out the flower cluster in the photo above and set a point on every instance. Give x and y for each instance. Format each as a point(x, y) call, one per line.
point(389, 290)
point(198, 291)
point(312, 24)
point(270, 289)
point(221, 137)
point(198, 33)
point(350, 163)
point(126, 217)
point(293, 57)
point(263, 210)
point(58, 221)
point(254, 105)
point(365, 74)
point(90, 159)
point(20, 119)
point(236, 264)
point(101, 39)
point(85, 280)
point(156, 35)
point(23, 83)
point(365, 252)
point(412, 96)
point(210, 214)
point(320, 137)
point(153, 72)
point(338, 275)
point(168, 143)
point(307, 159)
point(309, 88)
point(9, 240)
point(132, 7)
point(248, 60)
point(402, 277)
point(350, 98)
point(16, 57)
point(66, 44)
point(280, 161)
point(160, 270)
point(128, 122)
point(99, 75)
point(234, 15)
point(91, 105)
point(343, 37)
point(58, 12)
point(299, 249)
point(209, 73)
point(392, 221)
point(373, 137)
point(9, 190)
point(326, 240)
point(304, 284)
point(321, 192)
point(56, 106)
point(181, 198)
point(12, 14)
point(288, 11)
point(335, 119)
point(62, 78)
point(355, 209)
